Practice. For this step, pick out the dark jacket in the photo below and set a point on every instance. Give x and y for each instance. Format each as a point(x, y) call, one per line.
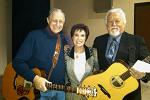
point(131, 49)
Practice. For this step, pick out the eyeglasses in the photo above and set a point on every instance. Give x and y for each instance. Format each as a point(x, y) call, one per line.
point(113, 21)
point(58, 21)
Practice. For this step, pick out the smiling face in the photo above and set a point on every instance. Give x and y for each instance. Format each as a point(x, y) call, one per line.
point(79, 38)
point(115, 24)
point(56, 22)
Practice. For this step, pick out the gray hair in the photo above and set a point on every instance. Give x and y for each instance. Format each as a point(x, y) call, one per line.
point(51, 12)
point(118, 11)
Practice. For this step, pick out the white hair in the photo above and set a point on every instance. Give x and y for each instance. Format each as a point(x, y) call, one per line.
point(118, 11)
point(51, 12)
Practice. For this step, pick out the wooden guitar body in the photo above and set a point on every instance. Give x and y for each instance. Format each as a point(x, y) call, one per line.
point(15, 87)
point(12, 88)
point(8, 88)
point(111, 84)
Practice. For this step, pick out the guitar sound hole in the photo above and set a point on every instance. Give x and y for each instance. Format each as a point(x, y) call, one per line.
point(21, 91)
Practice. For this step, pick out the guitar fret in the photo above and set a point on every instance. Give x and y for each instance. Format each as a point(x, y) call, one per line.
point(59, 87)
point(68, 88)
point(147, 59)
point(62, 87)
point(74, 90)
point(53, 86)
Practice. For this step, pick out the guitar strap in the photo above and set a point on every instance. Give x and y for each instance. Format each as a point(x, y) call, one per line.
point(55, 56)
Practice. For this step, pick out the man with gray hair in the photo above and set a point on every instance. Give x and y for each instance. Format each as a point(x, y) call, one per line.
point(44, 49)
point(118, 44)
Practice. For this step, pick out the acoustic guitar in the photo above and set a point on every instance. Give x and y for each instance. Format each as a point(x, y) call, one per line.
point(114, 83)
point(15, 87)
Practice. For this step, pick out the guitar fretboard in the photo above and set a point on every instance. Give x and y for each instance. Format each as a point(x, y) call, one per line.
point(127, 74)
point(61, 87)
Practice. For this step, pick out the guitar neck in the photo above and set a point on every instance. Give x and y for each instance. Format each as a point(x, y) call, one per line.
point(147, 59)
point(127, 74)
point(61, 88)
point(86, 91)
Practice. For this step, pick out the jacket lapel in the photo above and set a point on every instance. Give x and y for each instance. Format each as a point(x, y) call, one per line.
point(123, 46)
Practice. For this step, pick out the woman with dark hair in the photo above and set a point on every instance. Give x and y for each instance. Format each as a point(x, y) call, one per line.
point(81, 60)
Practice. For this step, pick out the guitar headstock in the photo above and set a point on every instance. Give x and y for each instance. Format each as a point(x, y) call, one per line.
point(87, 91)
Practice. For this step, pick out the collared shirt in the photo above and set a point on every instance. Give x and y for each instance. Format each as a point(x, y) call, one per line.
point(37, 51)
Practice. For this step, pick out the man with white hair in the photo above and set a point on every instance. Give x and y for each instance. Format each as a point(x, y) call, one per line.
point(40, 49)
point(118, 44)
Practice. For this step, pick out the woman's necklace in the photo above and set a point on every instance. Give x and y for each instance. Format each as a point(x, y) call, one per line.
point(77, 54)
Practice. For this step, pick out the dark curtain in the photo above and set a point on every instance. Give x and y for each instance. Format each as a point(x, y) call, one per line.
point(27, 15)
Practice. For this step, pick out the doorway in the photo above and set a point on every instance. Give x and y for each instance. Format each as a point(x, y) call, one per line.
point(142, 21)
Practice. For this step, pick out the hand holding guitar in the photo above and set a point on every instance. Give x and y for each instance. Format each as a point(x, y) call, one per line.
point(136, 74)
point(39, 83)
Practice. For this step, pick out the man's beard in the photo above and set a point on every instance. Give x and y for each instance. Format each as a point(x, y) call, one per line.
point(115, 32)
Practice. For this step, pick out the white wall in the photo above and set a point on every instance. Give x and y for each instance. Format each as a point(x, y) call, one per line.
point(3, 49)
point(81, 11)
point(5, 34)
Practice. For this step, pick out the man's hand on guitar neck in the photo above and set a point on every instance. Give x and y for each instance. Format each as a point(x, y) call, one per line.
point(39, 83)
point(136, 74)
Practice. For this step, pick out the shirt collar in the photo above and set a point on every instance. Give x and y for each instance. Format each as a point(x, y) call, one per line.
point(116, 38)
point(50, 33)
